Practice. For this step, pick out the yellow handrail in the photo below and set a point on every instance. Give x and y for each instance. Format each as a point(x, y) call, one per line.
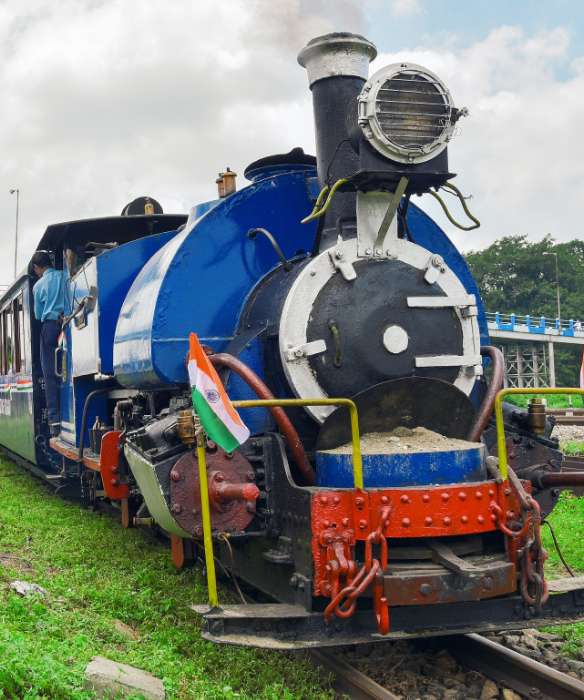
point(206, 518)
point(501, 444)
point(204, 488)
point(355, 439)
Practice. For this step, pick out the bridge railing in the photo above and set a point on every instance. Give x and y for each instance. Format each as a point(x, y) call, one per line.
point(536, 325)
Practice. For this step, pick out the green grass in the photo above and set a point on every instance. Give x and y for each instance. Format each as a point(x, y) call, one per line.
point(96, 573)
point(573, 447)
point(567, 519)
point(552, 400)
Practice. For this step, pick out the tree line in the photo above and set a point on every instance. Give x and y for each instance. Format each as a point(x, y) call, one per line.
point(515, 275)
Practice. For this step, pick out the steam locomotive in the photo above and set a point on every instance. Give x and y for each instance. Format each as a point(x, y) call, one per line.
point(320, 280)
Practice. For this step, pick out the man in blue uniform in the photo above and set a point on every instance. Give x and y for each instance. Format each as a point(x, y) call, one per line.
point(48, 309)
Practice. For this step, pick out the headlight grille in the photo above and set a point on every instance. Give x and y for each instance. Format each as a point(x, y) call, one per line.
point(406, 113)
point(412, 110)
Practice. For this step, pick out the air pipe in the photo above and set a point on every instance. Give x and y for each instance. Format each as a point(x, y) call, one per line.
point(486, 408)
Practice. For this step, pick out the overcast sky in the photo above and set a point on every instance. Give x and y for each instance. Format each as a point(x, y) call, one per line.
point(106, 100)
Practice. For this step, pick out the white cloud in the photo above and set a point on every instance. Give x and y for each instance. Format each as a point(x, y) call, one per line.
point(105, 100)
point(519, 152)
point(405, 8)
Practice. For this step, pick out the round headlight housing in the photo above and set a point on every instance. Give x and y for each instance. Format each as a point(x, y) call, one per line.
point(406, 113)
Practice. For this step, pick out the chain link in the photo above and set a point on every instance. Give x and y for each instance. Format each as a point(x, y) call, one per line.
point(344, 602)
point(533, 586)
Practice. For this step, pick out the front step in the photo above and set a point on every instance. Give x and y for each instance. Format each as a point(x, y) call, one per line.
point(282, 626)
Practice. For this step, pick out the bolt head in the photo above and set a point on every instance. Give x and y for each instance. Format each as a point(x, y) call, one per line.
point(447, 521)
point(336, 500)
point(445, 497)
point(174, 475)
point(405, 522)
point(404, 498)
point(480, 519)
point(428, 520)
point(425, 589)
point(462, 496)
point(384, 500)
point(426, 498)
point(359, 502)
point(464, 519)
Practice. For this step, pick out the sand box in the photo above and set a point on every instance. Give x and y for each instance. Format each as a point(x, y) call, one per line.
point(405, 440)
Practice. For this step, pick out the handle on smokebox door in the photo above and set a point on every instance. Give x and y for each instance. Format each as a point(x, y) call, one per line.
point(500, 426)
point(353, 416)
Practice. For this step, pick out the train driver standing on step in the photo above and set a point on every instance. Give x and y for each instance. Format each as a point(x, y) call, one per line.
point(49, 306)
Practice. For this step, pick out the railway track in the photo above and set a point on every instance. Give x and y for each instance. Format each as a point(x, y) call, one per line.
point(348, 680)
point(567, 416)
point(531, 679)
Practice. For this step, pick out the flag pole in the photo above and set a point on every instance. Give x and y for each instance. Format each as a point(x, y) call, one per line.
point(206, 515)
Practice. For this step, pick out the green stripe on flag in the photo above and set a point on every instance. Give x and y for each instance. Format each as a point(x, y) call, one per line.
point(214, 427)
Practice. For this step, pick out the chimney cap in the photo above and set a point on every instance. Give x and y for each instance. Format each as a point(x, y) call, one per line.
point(337, 54)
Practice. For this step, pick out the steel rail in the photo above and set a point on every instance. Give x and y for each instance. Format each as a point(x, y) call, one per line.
point(350, 681)
point(514, 670)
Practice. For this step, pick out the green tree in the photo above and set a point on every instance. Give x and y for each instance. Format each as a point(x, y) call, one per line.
point(515, 276)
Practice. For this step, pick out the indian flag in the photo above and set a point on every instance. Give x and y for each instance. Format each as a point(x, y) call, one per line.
point(210, 401)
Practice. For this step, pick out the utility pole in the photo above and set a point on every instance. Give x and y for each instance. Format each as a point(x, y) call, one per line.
point(557, 285)
point(17, 192)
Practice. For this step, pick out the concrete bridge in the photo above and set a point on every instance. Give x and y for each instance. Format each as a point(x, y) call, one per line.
point(528, 344)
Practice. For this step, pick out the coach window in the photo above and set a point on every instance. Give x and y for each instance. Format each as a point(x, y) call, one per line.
point(7, 340)
point(18, 315)
point(2, 353)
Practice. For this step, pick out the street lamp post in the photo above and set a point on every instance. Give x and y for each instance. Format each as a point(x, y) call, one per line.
point(16, 191)
point(557, 285)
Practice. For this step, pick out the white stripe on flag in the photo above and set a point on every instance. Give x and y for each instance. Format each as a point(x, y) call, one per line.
point(201, 381)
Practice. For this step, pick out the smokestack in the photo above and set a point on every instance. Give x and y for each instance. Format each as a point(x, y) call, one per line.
point(338, 66)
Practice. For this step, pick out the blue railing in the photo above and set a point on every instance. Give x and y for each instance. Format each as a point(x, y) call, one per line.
point(537, 326)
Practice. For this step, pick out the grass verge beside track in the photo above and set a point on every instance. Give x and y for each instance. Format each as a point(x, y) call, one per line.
point(97, 575)
point(567, 519)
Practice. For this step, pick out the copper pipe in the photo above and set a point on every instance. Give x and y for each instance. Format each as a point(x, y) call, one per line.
point(486, 408)
point(242, 370)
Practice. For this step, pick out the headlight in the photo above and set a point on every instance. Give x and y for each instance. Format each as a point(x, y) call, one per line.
point(406, 113)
